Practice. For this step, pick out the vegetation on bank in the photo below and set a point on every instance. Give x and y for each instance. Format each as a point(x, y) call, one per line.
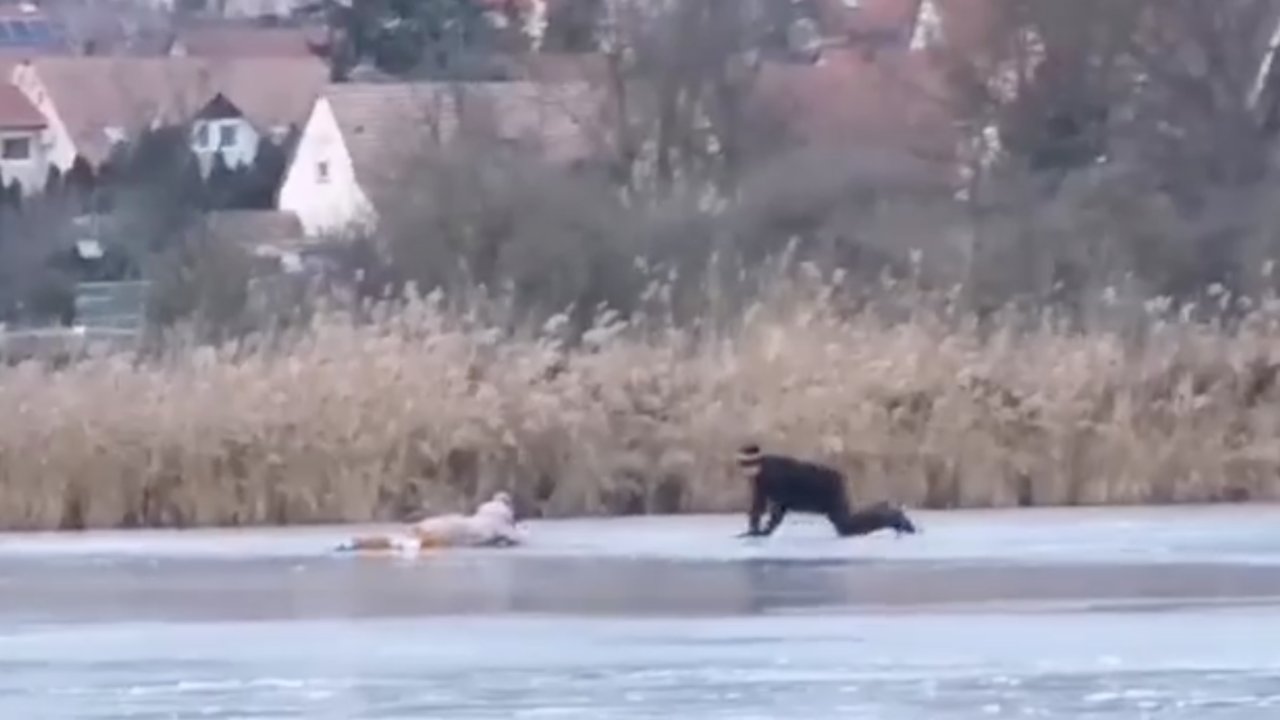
point(1114, 168)
point(371, 416)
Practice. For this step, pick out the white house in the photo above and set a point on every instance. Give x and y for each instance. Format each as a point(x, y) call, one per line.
point(320, 185)
point(220, 128)
point(357, 147)
point(23, 142)
point(92, 103)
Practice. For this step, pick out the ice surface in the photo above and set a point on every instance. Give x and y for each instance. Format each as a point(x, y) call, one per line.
point(1248, 533)
point(1191, 665)
point(1108, 614)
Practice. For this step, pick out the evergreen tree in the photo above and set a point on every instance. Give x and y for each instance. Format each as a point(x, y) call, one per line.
point(220, 184)
point(13, 191)
point(263, 178)
point(79, 184)
point(53, 186)
point(403, 37)
point(158, 185)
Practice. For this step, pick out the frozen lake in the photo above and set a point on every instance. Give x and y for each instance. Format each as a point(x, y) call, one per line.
point(1108, 614)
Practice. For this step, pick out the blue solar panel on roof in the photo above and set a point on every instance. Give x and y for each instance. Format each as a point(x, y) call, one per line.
point(15, 32)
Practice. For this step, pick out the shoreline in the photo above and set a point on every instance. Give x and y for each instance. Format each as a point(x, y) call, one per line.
point(1123, 509)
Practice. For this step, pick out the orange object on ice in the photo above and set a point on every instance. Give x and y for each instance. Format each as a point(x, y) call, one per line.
point(492, 525)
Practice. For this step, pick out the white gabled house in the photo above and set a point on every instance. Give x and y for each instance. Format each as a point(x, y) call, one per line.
point(356, 148)
point(92, 103)
point(321, 185)
point(23, 142)
point(220, 128)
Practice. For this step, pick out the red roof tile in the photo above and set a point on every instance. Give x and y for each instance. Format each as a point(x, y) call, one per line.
point(385, 124)
point(16, 111)
point(93, 94)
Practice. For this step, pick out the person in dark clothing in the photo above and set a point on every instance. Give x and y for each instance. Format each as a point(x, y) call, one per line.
point(782, 484)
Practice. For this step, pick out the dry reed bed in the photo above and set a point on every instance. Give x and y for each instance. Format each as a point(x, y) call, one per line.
point(363, 422)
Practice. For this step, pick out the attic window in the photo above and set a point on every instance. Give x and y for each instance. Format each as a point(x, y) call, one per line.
point(16, 148)
point(322, 171)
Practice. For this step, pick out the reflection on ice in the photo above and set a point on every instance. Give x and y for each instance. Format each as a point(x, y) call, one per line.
point(1193, 665)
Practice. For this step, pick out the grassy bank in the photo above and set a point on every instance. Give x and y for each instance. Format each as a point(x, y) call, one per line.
point(354, 422)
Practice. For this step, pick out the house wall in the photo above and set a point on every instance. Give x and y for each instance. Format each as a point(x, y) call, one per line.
point(320, 183)
point(31, 171)
point(58, 147)
point(235, 138)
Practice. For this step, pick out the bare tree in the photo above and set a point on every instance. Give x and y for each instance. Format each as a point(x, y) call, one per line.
point(1134, 140)
point(681, 74)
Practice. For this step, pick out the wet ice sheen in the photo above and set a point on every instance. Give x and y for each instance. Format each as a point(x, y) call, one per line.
point(658, 618)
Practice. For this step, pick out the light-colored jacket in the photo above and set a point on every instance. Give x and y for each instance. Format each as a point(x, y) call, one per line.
point(493, 523)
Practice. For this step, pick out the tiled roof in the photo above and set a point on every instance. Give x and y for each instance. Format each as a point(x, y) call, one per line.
point(95, 94)
point(271, 91)
point(96, 97)
point(240, 40)
point(16, 111)
point(381, 122)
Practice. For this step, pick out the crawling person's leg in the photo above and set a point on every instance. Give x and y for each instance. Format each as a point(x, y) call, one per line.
point(871, 519)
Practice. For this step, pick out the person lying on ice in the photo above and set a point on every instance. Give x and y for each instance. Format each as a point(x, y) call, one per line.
point(782, 484)
point(492, 525)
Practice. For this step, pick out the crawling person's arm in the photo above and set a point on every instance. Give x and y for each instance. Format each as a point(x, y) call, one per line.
point(749, 462)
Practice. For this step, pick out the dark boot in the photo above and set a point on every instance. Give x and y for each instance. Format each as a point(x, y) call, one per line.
point(881, 516)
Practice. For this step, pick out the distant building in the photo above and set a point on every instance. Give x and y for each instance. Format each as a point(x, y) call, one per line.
point(221, 128)
point(362, 140)
point(23, 141)
point(92, 103)
point(25, 30)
